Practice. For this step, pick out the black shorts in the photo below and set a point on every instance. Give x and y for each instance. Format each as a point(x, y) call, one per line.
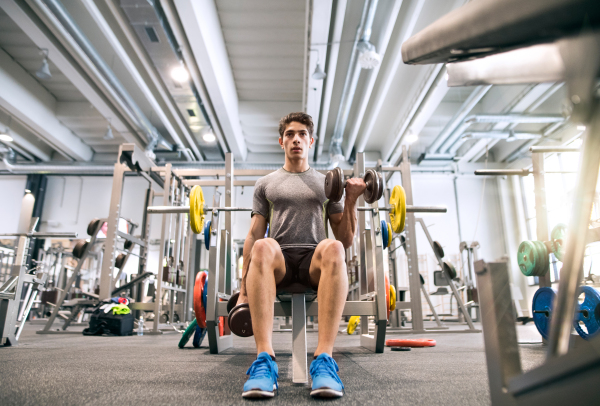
point(297, 267)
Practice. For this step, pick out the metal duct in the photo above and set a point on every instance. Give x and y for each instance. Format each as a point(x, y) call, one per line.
point(48, 169)
point(61, 14)
point(363, 35)
point(514, 118)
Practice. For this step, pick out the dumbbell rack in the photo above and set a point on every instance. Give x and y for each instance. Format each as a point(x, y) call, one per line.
point(11, 291)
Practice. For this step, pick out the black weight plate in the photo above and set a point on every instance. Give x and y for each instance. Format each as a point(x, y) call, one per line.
point(438, 250)
point(334, 189)
point(240, 322)
point(381, 186)
point(232, 302)
point(340, 184)
point(400, 348)
point(79, 249)
point(449, 269)
point(119, 260)
point(128, 244)
point(92, 227)
point(372, 182)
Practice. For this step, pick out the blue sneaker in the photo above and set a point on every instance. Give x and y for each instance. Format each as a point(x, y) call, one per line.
point(263, 378)
point(325, 381)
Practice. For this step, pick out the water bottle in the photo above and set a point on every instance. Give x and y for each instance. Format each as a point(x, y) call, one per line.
point(140, 331)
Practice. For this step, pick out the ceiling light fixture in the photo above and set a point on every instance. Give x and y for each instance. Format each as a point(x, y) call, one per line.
point(411, 138)
point(209, 137)
point(318, 74)
point(580, 128)
point(109, 133)
point(5, 137)
point(180, 74)
point(44, 71)
point(368, 58)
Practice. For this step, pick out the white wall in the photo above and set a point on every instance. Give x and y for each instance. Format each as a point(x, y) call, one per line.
point(12, 189)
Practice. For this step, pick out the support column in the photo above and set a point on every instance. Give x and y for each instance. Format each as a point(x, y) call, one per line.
point(411, 246)
point(541, 210)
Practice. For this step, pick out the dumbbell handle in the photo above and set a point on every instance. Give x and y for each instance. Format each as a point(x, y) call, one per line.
point(410, 209)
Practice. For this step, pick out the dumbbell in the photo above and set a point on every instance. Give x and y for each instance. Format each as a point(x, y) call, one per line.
point(335, 185)
point(532, 256)
point(240, 322)
point(79, 249)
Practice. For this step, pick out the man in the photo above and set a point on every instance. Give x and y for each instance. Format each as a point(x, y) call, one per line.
point(292, 201)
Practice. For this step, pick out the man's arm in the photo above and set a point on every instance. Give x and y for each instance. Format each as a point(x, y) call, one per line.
point(258, 228)
point(343, 224)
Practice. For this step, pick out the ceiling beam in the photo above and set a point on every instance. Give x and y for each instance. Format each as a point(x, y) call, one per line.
point(23, 97)
point(200, 21)
point(43, 38)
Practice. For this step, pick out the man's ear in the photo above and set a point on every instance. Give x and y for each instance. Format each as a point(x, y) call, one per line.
point(280, 141)
point(312, 141)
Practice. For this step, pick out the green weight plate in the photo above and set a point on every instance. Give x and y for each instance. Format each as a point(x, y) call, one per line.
point(558, 236)
point(188, 334)
point(532, 258)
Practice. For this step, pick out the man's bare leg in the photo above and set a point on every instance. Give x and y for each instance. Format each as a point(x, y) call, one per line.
point(328, 272)
point(267, 268)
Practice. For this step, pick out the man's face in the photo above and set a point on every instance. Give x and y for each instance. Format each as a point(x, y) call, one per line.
point(296, 140)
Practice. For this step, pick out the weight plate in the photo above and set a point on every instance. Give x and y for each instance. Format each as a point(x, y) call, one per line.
point(120, 260)
point(392, 298)
point(387, 295)
point(390, 237)
point(384, 234)
point(240, 322)
point(334, 184)
point(532, 257)
point(127, 245)
point(79, 249)
point(381, 186)
point(200, 288)
point(449, 269)
point(557, 237)
point(232, 302)
point(207, 235)
point(352, 324)
point(400, 348)
point(587, 320)
point(438, 250)
point(398, 209)
point(410, 342)
point(372, 182)
point(199, 336)
point(541, 307)
point(92, 227)
point(187, 334)
point(196, 209)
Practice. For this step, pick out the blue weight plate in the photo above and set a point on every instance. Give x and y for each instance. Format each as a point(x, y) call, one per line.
point(384, 233)
point(543, 301)
point(204, 293)
point(207, 235)
point(587, 320)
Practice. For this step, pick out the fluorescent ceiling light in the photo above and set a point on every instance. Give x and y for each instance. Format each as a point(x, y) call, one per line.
point(5, 137)
point(209, 137)
point(581, 128)
point(411, 138)
point(180, 74)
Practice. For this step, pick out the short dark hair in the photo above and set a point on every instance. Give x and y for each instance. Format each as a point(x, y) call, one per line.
point(301, 118)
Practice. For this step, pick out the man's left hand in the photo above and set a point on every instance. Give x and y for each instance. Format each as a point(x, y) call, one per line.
point(354, 188)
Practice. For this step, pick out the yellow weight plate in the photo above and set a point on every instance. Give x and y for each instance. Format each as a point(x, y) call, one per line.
point(389, 234)
point(352, 324)
point(197, 209)
point(398, 209)
point(392, 297)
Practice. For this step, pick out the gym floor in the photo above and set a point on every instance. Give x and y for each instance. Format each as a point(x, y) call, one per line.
point(74, 369)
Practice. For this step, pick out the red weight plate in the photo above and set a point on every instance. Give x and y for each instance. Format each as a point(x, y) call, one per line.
point(411, 342)
point(198, 308)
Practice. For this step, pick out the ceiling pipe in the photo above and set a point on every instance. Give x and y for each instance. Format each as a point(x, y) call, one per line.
point(501, 135)
point(60, 18)
point(363, 35)
point(331, 66)
point(384, 40)
point(456, 126)
point(49, 169)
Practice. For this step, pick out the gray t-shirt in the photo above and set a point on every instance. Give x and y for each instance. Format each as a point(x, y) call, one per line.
point(295, 207)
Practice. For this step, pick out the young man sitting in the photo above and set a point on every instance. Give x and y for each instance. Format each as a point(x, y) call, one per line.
point(292, 201)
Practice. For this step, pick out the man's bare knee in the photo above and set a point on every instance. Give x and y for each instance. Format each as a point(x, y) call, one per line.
point(334, 256)
point(264, 253)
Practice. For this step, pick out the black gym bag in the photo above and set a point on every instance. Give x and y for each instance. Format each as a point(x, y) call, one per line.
point(110, 324)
